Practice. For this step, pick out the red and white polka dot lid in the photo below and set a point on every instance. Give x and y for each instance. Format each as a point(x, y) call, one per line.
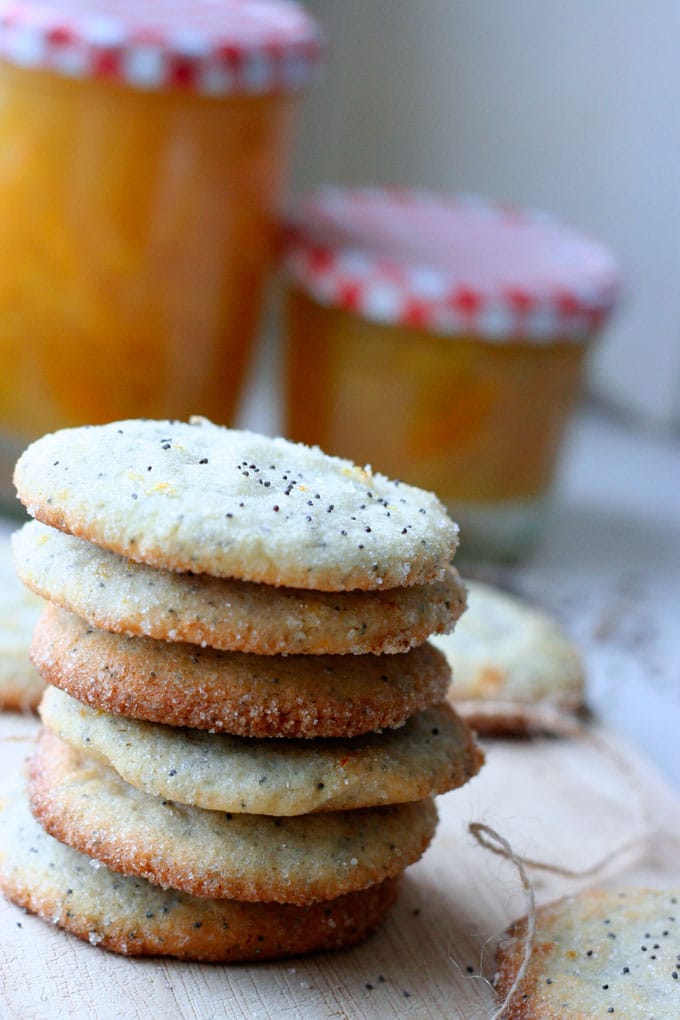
point(449, 264)
point(214, 47)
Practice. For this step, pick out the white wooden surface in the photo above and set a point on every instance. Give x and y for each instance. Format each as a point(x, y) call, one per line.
point(564, 801)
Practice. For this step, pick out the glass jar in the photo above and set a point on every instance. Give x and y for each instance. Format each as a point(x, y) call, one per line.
point(442, 340)
point(143, 151)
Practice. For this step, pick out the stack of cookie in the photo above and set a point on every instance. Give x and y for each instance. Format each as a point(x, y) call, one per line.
point(245, 726)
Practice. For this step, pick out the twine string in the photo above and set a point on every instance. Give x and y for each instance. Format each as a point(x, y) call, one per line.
point(477, 829)
point(492, 840)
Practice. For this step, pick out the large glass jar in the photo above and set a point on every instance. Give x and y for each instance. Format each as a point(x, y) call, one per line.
point(442, 340)
point(143, 151)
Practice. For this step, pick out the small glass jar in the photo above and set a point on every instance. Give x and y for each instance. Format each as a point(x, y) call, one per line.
point(442, 340)
point(144, 148)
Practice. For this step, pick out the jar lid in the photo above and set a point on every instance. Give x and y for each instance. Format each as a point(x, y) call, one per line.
point(214, 47)
point(449, 264)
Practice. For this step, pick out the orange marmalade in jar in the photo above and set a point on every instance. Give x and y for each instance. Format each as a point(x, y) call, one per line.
point(143, 150)
point(442, 340)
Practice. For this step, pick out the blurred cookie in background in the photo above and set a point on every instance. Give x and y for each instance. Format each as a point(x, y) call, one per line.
point(20, 684)
point(514, 669)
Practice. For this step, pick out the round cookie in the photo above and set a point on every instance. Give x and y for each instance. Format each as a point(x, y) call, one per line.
point(596, 954)
point(514, 668)
point(202, 498)
point(118, 595)
point(20, 684)
point(432, 753)
point(132, 917)
point(82, 802)
point(248, 695)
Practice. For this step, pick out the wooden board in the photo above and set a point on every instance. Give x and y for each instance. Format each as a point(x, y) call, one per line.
point(568, 802)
